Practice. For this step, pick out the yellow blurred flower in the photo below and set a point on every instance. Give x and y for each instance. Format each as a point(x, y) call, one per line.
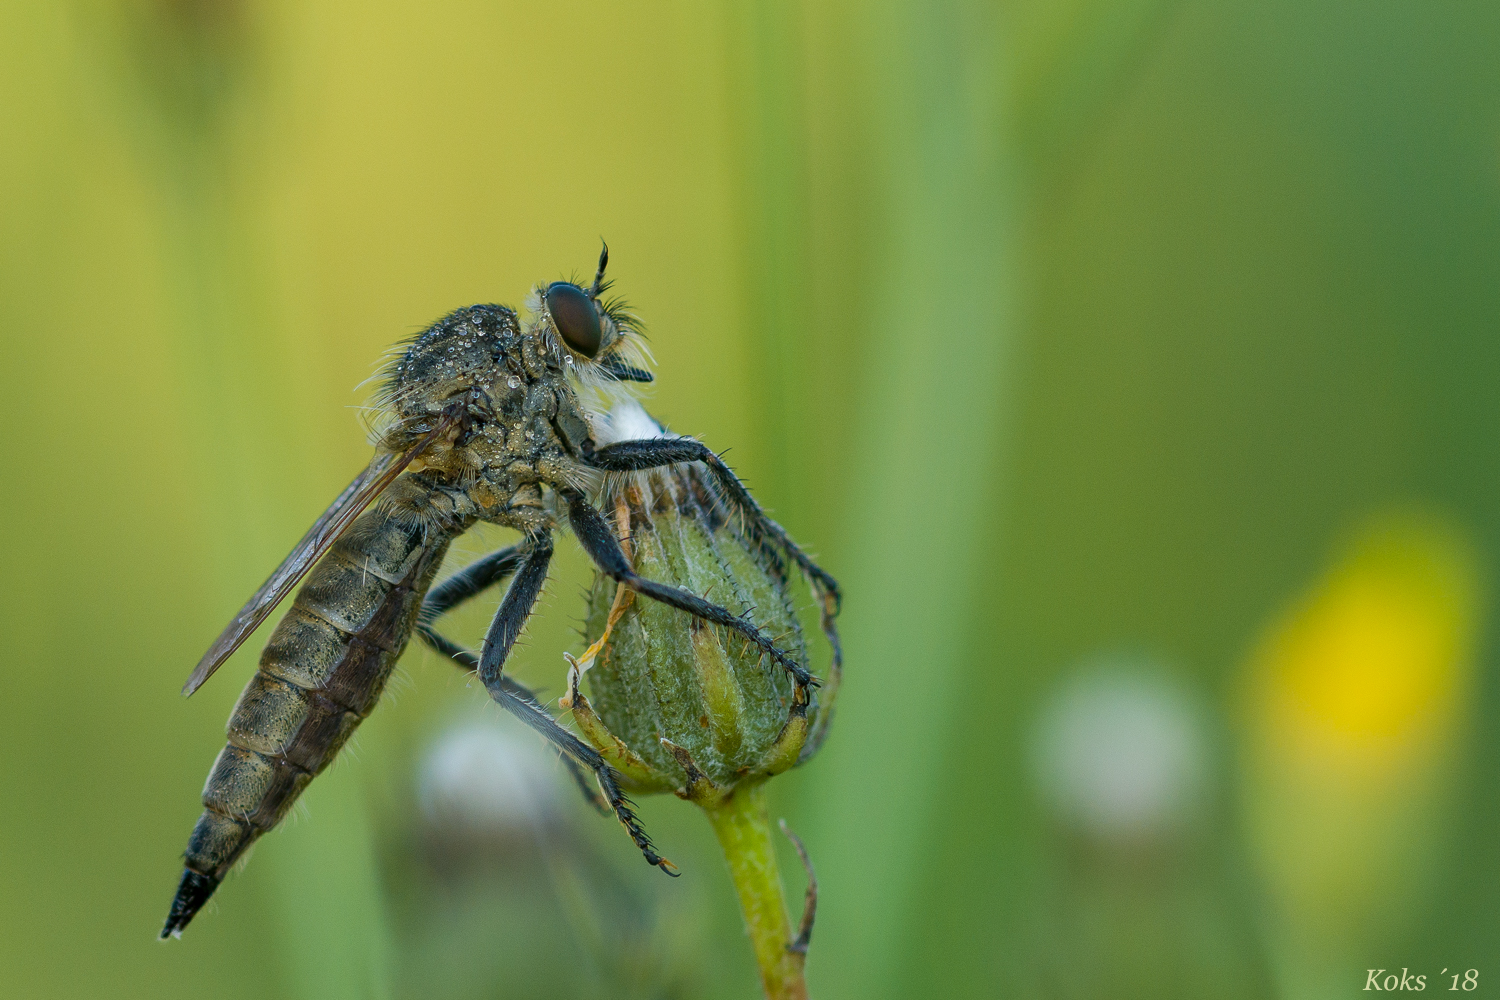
point(1365, 672)
point(1355, 699)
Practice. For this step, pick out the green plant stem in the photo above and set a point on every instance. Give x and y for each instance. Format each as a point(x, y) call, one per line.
point(743, 827)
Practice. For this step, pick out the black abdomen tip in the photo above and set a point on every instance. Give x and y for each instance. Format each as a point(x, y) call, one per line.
point(192, 892)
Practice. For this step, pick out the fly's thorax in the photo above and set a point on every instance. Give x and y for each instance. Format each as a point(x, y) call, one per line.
point(478, 351)
point(493, 465)
point(502, 383)
point(685, 696)
point(537, 440)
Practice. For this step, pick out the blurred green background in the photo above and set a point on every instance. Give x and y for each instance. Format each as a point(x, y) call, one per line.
point(1133, 365)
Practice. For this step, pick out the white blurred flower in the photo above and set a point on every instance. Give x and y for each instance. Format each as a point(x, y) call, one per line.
point(1119, 749)
point(480, 778)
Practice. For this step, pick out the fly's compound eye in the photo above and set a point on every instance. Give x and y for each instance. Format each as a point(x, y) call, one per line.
point(575, 316)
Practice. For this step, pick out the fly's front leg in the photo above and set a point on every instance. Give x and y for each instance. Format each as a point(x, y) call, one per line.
point(655, 453)
point(602, 546)
point(529, 562)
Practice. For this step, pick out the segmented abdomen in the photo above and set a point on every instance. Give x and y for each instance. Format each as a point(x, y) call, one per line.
point(319, 677)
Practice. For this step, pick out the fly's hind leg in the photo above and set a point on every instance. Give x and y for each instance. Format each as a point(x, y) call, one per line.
point(469, 582)
point(478, 576)
point(600, 543)
point(529, 562)
point(521, 702)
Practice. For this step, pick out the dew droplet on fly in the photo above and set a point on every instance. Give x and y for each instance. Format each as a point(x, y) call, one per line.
point(513, 382)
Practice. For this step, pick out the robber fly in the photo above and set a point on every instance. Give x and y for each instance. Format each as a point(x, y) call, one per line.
point(482, 420)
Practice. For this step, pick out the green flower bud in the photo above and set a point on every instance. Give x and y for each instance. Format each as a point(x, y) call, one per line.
point(697, 709)
point(678, 704)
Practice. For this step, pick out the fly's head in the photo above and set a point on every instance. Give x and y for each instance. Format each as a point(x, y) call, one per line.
point(595, 339)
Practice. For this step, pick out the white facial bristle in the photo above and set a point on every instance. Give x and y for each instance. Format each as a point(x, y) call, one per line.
point(628, 421)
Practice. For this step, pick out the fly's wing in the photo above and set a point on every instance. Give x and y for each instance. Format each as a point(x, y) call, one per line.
point(319, 538)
